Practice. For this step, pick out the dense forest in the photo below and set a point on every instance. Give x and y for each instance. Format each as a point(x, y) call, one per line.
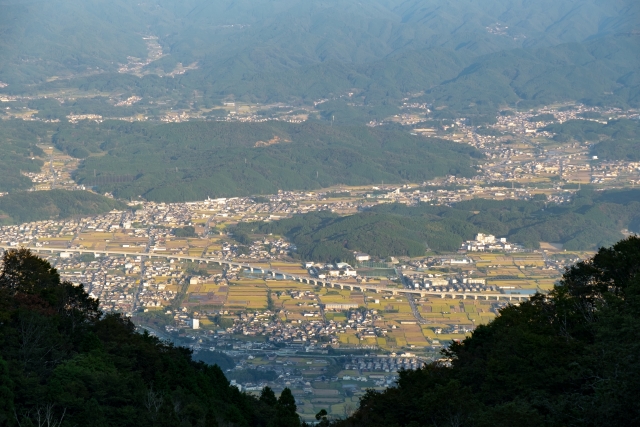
point(65, 363)
point(614, 139)
point(570, 358)
point(18, 141)
point(455, 83)
point(590, 220)
point(192, 161)
point(468, 58)
point(194, 30)
point(30, 206)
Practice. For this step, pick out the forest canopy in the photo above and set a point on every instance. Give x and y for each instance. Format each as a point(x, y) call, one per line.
point(30, 206)
point(591, 220)
point(614, 140)
point(193, 161)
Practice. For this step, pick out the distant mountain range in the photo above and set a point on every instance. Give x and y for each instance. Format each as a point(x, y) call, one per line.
point(470, 56)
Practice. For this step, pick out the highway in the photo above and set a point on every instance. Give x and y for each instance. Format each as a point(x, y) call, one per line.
point(288, 276)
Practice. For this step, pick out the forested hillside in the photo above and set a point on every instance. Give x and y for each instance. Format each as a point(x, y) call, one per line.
point(19, 207)
point(590, 221)
point(467, 56)
point(270, 36)
point(569, 358)
point(18, 147)
point(64, 363)
point(64, 38)
point(191, 161)
point(615, 139)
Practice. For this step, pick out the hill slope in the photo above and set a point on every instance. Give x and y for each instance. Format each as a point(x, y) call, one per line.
point(190, 161)
point(19, 153)
point(485, 53)
point(21, 207)
point(62, 37)
point(590, 221)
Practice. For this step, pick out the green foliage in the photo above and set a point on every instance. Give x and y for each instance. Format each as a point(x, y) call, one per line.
point(286, 410)
point(190, 161)
point(187, 231)
point(60, 355)
point(379, 51)
point(62, 38)
point(590, 221)
point(268, 396)
point(326, 237)
point(616, 139)
point(590, 115)
point(548, 117)
point(592, 72)
point(252, 375)
point(569, 358)
point(271, 306)
point(6, 394)
point(18, 141)
point(54, 204)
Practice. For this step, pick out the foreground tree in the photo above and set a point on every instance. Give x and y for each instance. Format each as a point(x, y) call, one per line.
point(569, 358)
point(64, 363)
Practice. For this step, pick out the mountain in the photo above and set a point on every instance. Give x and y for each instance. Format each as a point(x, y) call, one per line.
point(267, 50)
point(596, 72)
point(48, 39)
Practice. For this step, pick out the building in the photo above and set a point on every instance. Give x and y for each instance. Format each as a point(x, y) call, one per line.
point(486, 242)
point(360, 256)
point(485, 239)
point(195, 323)
point(340, 306)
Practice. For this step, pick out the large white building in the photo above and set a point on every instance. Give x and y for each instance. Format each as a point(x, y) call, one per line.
point(486, 242)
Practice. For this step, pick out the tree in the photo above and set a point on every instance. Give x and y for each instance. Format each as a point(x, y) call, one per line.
point(6, 395)
point(26, 273)
point(268, 397)
point(286, 410)
point(322, 419)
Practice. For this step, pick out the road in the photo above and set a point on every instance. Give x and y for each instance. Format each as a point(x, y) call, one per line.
point(136, 296)
point(411, 298)
point(288, 276)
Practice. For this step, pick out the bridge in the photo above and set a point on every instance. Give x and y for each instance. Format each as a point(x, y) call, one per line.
point(363, 287)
